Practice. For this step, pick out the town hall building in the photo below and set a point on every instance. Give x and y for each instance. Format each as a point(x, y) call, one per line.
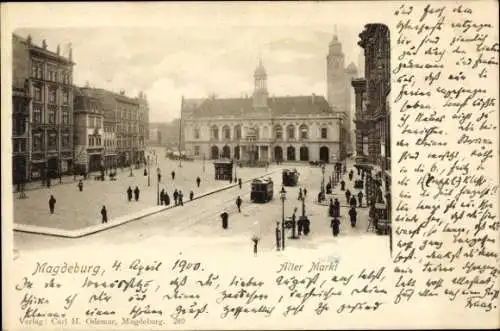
point(264, 128)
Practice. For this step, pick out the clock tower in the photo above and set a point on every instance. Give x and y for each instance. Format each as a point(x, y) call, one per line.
point(335, 75)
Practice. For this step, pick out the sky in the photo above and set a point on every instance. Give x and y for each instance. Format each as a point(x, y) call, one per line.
point(196, 62)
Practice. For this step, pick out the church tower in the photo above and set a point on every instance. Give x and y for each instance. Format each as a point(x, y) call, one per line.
point(260, 87)
point(335, 74)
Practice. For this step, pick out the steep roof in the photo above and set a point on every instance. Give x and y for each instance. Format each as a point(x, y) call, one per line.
point(279, 106)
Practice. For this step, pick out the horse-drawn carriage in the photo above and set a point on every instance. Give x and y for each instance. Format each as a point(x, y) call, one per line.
point(290, 177)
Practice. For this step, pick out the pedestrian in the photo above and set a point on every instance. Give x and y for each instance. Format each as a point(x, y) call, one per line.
point(176, 197)
point(239, 182)
point(278, 236)
point(129, 193)
point(162, 196)
point(304, 191)
point(255, 243)
point(104, 214)
point(191, 195)
point(320, 197)
point(360, 198)
point(224, 216)
point(80, 185)
point(336, 208)
point(198, 181)
point(166, 198)
point(352, 215)
point(328, 188)
point(335, 225)
point(342, 185)
point(52, 204)
point(350, 175)
point(48, 182)
point(331, 208)
point(231, 179)
point(173, 175)
point(180, 198)
point(300, 194)
point(348, 196)
point(136, 193)
point(352, 202)
point(238, 203)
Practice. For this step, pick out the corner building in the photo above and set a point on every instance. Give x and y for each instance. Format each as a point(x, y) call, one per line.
point(262, 128)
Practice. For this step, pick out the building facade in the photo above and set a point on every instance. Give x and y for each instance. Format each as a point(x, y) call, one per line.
point(88, 131)
point(262, 128)
point(43, 111)
point(372, 103)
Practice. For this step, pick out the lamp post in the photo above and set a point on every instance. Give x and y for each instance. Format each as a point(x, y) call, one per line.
point(323, 179)
point(203, 162)
point(283, 198)
point(158, 173)
point(149, 180)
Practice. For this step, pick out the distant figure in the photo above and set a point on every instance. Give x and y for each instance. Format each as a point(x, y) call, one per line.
point(239, 182)
point(299, 197)
point(104, 214)
point(335, 225)
point(305, 192)
point(348, 196)
point(342, 185)
point(176, 197)
point(352, 202)
point(328, 188)
point(191, 195)
point(336, 208)
point(231, 180)
point(255, 243)
point(80, 185)
point(360, 198)
point(278, 236)
point(238, 203)
point(198, 181)
point(162, 196)
point(352, 215)
point(52, 204)
point(351, 173)
point(167, 199)
point(129, 193)
point(173, 175)
point(331, 208)
point(224, 216)
point(180, 198)
point(136, 193)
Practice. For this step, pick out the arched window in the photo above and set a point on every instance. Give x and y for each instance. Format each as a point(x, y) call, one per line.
point(214, 132)
point(290, 131)
point(304, 131)
point(226, 132)
point(278, 132)
point(265, 132)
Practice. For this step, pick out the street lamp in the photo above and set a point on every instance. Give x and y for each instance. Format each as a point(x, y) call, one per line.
point(158, 173)
point(323, 179)
point(203, 162)
point(149, 181)
point(283, 198)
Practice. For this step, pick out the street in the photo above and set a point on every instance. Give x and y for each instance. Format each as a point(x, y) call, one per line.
point(200, 221)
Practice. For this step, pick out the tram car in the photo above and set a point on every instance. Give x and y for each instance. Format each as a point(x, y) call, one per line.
point(290, 177)
point(262, 190)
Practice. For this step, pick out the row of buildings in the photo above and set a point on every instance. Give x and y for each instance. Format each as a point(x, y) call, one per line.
point(265, 128)
point(59, 128)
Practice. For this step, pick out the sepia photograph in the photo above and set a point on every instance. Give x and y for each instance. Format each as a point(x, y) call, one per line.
point(285, 140)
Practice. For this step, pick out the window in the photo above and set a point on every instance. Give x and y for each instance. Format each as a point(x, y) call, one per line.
point(237, 132)
point(291, 132)
point(37, 142)
point(65, 117)
point(19, 126)
point(37, 113)
point(19, 145)
point(52, 116)
point(65, 140)
point(278, 132)
point(37, 93)
point(324, 133)
point(215, 132)
point(37, 70)
point(227, 133)
point(303, 131)
point(52, 141)
point(52, 95)
point(65, 97)
point(196, 150)
point(91, 141)
point(197, 133)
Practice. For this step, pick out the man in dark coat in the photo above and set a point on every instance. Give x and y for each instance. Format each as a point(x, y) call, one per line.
point(191, 195)
point(176, 197)
point(360, 198)
point(162, 196)
point(305, 192)
point(180, 198)
point(300, 194)
point(136, 193)
point(335, 225)
point(104, 214)
point(173, 175)
point(328, 188)
point(167, 199)
point(52, 204)
point(239, 182)
point(336, 208)
point(331, 208)
point(352, 202)
point(352, 215)
point(348, 196)
point(278, 236)
point(342, 185)
point(238, 203)
point(224, 216)
point(198, 181)
point(350, 175)
point(230, 179)
point(129, 193)
point(80, 185)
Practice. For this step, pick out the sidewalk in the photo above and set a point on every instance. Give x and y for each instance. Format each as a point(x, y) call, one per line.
point(76, 233)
